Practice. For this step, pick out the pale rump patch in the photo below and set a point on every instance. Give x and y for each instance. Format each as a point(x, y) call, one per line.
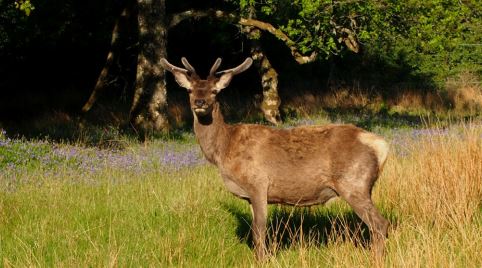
point(378, 144)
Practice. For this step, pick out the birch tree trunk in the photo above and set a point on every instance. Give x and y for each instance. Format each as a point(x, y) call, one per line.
point(149, 108)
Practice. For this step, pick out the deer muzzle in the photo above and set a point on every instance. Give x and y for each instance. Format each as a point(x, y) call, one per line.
point(200, 107)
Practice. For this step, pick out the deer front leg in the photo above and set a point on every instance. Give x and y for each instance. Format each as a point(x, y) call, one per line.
point(259, 209)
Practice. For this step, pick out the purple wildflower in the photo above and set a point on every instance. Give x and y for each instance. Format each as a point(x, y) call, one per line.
point(429, 132)
point(180, 159)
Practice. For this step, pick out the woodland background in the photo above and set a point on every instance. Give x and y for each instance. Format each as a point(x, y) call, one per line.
point(395, 57)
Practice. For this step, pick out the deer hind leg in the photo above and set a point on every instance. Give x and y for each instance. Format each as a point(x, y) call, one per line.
point(365, 209)
point(259, 209)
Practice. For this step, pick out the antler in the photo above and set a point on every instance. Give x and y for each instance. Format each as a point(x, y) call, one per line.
point(240, 68)
point(215, 67)
point(171, 67)
point(188, 66)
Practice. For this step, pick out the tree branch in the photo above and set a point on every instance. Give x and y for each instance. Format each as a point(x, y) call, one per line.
point(177, 18)
point(234, 18)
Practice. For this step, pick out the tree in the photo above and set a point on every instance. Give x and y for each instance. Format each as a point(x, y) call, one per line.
point(269, 76)
point(149, 107)
point(115, 50)
point(148, 111)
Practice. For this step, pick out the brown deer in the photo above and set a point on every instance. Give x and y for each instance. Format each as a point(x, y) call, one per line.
point(302, 166)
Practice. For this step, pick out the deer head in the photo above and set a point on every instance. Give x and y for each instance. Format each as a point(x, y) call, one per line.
point(202, 93)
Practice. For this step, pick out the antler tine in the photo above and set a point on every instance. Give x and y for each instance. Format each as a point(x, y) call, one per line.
point(168, 66)
point(188, 66)
point(240, 68)
point(215, 67)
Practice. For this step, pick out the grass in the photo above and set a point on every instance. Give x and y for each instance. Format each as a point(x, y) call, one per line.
point(160, 204)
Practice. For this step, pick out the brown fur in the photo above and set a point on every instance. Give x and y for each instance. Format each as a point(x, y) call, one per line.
point(301, 166)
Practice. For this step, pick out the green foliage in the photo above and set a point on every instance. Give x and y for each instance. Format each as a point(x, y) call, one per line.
point(53, 24)
point(436, 38)
point(439, 38)
point(24, 5)
point(245, 3)
point(321, 26)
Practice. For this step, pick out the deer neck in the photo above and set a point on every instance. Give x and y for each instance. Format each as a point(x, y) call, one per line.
point(212, 134)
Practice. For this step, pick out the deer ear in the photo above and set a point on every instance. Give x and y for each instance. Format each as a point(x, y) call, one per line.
point(223, 81)
point(180, 74)
point(227, 75)
point(182, 79)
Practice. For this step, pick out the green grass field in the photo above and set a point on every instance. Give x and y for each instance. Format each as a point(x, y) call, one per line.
point(160, 204)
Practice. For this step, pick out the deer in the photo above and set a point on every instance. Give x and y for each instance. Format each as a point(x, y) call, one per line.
point(300, 166)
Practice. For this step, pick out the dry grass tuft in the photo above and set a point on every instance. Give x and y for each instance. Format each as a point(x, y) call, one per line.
point(465, 92)
point(356, 97)
point(349, 98)
point(438, 179)
point(409, 99)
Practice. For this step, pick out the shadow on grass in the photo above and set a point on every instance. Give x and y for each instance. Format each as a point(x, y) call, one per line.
point(59, 127)
point(315, 226)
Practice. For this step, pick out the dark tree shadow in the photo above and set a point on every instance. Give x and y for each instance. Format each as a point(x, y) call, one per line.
point(315, 226)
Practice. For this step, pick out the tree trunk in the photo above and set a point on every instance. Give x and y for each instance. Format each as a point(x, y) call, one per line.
point(269, 82)
point(269, 78)
point(112, 56)
point(149, 107)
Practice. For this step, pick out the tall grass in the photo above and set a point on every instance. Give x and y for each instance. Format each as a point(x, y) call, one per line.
point(159, 204)
point(435, 188)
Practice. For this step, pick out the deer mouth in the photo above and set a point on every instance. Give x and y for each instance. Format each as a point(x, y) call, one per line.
point(201, 111)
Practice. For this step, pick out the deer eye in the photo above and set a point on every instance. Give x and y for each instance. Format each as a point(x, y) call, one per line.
point(189, 91)
point(214, 92)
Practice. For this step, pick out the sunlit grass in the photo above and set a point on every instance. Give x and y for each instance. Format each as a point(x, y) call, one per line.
point(159, 204)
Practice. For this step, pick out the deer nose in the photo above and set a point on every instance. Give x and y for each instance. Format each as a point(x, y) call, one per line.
point(199, 102)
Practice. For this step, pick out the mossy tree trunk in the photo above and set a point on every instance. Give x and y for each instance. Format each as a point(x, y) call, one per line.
point(269, 76)
point(269, 79)
point(149, 107)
